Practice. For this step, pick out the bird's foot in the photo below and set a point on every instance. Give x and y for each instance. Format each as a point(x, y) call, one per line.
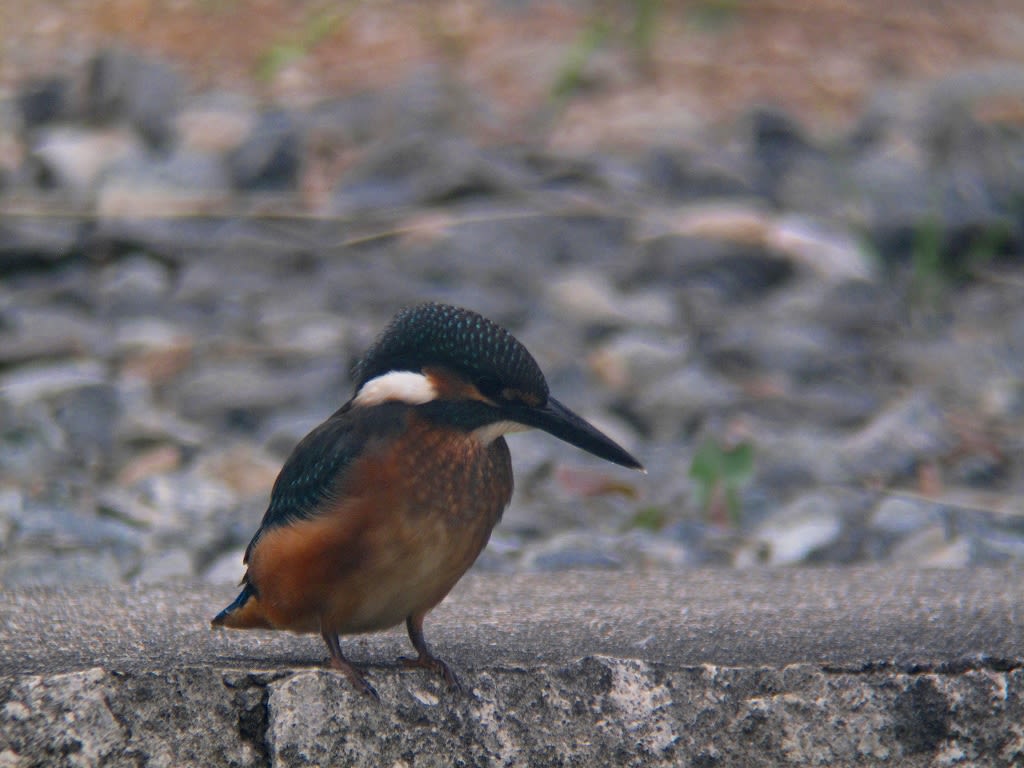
point(359, 682)
point(434, 664)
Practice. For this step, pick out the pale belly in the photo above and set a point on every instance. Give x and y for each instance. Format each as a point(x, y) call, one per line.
point(411, 572)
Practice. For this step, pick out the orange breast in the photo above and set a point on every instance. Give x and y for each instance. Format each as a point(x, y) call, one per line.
point(409, 520)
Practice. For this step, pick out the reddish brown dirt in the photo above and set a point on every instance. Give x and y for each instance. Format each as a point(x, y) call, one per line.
point(707, 59)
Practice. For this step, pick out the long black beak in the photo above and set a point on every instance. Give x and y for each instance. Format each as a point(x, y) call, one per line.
point(555, 419)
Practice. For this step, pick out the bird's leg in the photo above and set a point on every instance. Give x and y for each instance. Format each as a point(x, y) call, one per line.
point(427, 660)
point(340, 663)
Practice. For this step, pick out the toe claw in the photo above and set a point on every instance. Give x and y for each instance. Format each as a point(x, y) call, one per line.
point(434, 664)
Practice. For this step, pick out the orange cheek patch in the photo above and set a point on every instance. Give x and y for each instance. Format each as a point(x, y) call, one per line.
point(450, 386)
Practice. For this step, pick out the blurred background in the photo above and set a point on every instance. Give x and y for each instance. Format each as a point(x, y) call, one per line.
point(771, 246)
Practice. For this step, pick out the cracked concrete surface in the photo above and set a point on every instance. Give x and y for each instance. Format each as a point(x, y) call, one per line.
point(825, 667)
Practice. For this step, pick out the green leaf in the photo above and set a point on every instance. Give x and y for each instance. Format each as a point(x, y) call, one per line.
point(738, 464)
point(706, 464)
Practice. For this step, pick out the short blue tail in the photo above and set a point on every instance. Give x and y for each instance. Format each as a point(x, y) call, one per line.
point(243, 597)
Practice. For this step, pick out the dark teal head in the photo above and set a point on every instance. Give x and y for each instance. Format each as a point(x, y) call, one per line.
point(468, 343)
point(499, 386)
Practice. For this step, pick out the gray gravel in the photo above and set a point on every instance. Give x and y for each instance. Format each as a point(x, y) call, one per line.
point(177, 310)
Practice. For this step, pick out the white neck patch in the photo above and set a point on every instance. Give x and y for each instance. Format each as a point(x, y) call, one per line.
point(491, 432)
point(402, 386)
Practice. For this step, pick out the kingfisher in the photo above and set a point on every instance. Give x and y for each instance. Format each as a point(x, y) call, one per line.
point(381, 509)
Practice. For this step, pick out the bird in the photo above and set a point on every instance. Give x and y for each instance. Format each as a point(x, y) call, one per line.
point(382, 508)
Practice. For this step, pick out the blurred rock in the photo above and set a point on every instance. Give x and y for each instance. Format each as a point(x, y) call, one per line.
point(730, 271)
point(907, 433)
point(141, 90)
point(26, 242)
point(572, 551)
point(244, 390)
point(932, 547)
point(426, 170)
point(31, 335)
point(705, 172)
point(45, 101)
point(71, 159)
point(11, 503)
point(28, 568)
point(243, 470)
point(778, 147)
point(173, 320)
point(38, 381)
point(178, 184)
point(215, 123)
point(833, 254)
point(790, 536)
point(134, 283)
point(587, 297)
point(667, 402)
point(146, 422)
point(632, 358)
point(898, 516)
point(43, 527)
point(89, 415)
point(226, 569)
point(169, 565)
point(270, 157)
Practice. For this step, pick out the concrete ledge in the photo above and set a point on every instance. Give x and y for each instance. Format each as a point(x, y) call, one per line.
point(836, 667)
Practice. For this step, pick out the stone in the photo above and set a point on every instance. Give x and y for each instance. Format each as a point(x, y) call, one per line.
point(31, 442)
point(44, 101)
point(586, 297)
point(134, 282)
point(164, 566)
point(696, 175)
point(830, 252)
point(629, 359)
point(41, 334)
point(668, 401)
point(307, 334)
point(227, 568)
point(40, 381)
point(906, 433)
point(933, 546)
point(778, 147)
point(247, 389)
point(47, 526)
point(88, 415)
point(573, 551)
point(812, 522)
point(152, 351)
point(181, 183)
point(732, 271)
point(93, 717)
point(899, 516)
point(26, 242)
point(144, 422)
point(144, 91)
point(11, 509)
point(353, 119)
point(215, 122)
point(45, 568)
point(424, 170)
point(72, 159)
point(270, 157)
point(826, 666)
